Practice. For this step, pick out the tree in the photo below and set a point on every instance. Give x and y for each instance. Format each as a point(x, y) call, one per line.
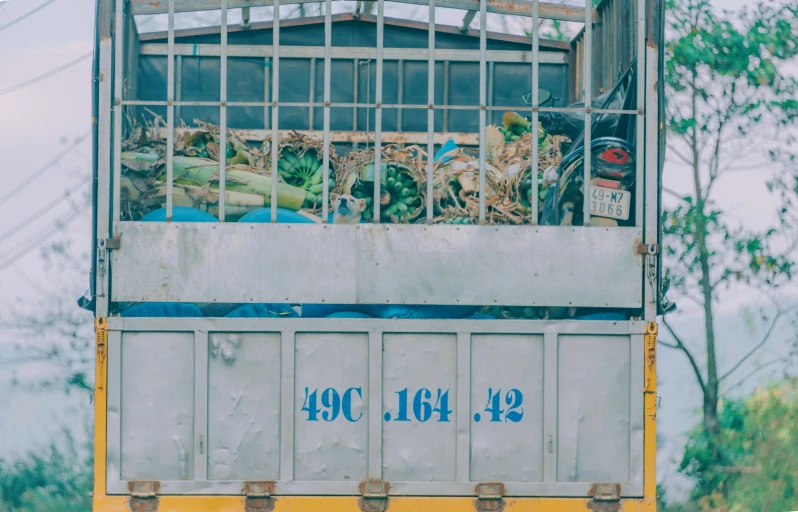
point(728, 98)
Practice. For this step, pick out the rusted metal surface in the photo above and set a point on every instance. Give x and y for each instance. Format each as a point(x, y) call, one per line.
point(606, 497)
point(490, 497)
point(258, 496)
point(374, 496)
point(144, 496)
point(547, 10)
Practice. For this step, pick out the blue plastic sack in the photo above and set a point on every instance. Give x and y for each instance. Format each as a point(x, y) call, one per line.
point(349, 314)
point(263, 215)
point(390, 311)
point(449, 146)
point(180, 214)
point(263, 311)
point(480, 316)
point(610, 316)
point(162, 310)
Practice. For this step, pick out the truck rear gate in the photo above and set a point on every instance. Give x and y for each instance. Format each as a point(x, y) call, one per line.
point(305, 414)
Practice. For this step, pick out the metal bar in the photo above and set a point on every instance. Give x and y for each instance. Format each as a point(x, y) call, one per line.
point(483, 113)
point(325, 193)
point(651, 227)
point(445, 95)
point(588, 72)
point(430, 110)
point(223, 112)
point(349, 53)
point(463, 442)
point(200, 405)
point(400, 92)
point(513, 7)
point(378, 111)
point(375, 405)
point(118, 107)
point(275, 144)
point(104, 169)
point(179, 88)
point(267, 66)
point(312, 93)
point(533, 200)
point(287, 351)
point(490, 91)
point(170, 111)
point(641, 107)
point(550, 370)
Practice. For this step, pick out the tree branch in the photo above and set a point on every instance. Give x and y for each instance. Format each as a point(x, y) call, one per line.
point(675, 194)
point(751, 374)
point(676, 152)
point(758, 346)
point(681, 346)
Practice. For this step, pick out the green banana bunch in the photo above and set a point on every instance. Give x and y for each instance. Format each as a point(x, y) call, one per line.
point(304, 172)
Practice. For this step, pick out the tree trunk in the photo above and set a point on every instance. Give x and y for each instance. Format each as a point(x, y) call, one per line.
point(711, 394)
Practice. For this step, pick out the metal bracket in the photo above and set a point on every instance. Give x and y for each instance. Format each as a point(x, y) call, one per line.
point(258, 496)
point(648, 249)
point(374, 496)
point(605, 491)
point(490, 497)
point(110, 244)
point(144, 496)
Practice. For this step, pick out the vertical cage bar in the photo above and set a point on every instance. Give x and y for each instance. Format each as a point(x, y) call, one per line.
point(355, 86)
point(275, 106)
point(533, 200)
point(640, 153)
point(378, 111)
point(482, 105)
point(312, 94)
point(179, 88)
point(446, 96)
point(588, 81)
point(400, 93)
point(118, 108)
point(223, 112)
point(491, 114)
point(430, 110)
point(325, 193)
point(170, 110)
point(267, 65)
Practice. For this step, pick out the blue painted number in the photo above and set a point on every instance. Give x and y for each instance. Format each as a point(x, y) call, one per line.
point(514, 398)
point(332, 403)
point(422, 406)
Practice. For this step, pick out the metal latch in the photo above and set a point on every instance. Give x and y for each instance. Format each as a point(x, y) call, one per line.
point(144, 490)
point(374, 496)
point(606, 492)
point(110, 244)
point(648, 249)
point(258, 496)
point(490, 497)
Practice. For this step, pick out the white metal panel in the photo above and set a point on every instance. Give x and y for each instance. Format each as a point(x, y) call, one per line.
point(243, 406)
point(412, 264)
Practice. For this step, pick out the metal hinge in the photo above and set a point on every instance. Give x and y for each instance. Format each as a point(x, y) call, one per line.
point(490, 497)
point(648, 249)
point(606, 492)
point(374, 496)
point(144, 490)
point(258, 496)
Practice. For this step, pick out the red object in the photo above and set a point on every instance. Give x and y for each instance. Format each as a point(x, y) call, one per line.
point(615, 156)
point(608, 184)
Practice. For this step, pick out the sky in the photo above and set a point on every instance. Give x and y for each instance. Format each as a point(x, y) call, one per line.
point(37, 122)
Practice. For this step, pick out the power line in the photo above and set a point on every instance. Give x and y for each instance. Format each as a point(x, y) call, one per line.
point(16, 190)
point(42, 236)
point(26, 15)
point(43, 76)
point(63, 197)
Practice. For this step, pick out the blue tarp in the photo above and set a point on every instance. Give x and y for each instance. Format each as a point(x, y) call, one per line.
point(263, 311)
point(283, 216)
point(389, 311)
point(162, 310)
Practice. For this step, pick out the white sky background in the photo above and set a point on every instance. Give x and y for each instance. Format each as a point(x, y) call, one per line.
point(35, 122)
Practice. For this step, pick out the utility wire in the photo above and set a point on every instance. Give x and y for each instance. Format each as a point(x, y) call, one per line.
point(42, 236)
point(44, 209)
point(16, 190)
point(27, 14)
point(21, 85)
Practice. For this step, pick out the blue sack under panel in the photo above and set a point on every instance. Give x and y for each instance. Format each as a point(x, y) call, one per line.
point(263, 311)
point(162, 310)
point(390, 311)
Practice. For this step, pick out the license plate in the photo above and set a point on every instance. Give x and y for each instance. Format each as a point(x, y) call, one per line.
point(606, 202)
